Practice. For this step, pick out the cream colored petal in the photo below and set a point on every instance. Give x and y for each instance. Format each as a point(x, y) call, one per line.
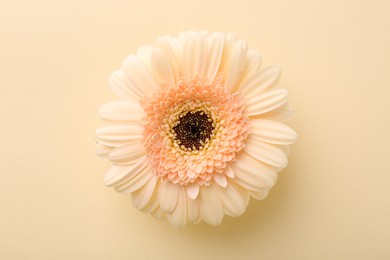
point(121, 110)
point(192, 209)
point(122, 87)
point(136, 182)
point(158, 214)
point(210, 205)
point(139, 76)
point(234, 199)
point(265, 102)
point(119, 135)
point(116, 174)
point(261, 82)
point(192, 190)
point(253, 174)
point(173, 52)
point(194, 54)
point(144, 53)
point(161, 68)
point(215, 49)
point(259, 195)
point(273, 132)
point(127, 154)
point(237, 65)
point(142, 196)
point(153, 202)
point(168, 195)
point(267, 153)
point(103, 151)
point(229, 172)
point(282, 114)
point(229, 43)
point(178, 218)
point(252, 66)
point(220, 179)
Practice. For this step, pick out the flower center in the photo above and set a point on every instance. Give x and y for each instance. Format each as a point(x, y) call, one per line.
point(193, 130)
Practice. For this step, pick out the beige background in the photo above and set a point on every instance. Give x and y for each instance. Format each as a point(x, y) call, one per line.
point(332, 202)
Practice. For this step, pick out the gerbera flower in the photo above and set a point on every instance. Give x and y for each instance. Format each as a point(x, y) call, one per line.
point(197, 130)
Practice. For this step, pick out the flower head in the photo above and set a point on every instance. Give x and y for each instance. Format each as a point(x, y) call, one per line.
point(197, 130)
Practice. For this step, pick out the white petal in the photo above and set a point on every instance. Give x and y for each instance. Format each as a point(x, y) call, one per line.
point(261, 82)
point(116, 174)
point(192, 209)
point(153, 202)
point(265, 102)
point(119, 135)
point(192, 190)
point(252, 174)
point(158, 214)
point(173, 51)
point(220, 179)
point(281, 114)
point(272, 132)
point(234, 199)
point(215, 47)
point(127, 154)
point(103, 151)
point(168, 195)
point(259, 195)
point(138, 76)
point(210, 205)
point(229, 43)
point(178, 217)
point(267, 153)
point(229, 172)
point(142, 196)
point(161, 68)
point(122, 88)
point(194, 54)
point(121, 110)
point(144, 53)
point(252, 67)
point(136, 182)
point(237, 65)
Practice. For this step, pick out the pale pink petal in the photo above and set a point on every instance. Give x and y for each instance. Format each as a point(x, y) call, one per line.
point(192, 209)
point(253, 174)
point(234, 199)
point(259, 195)
point(252, 66)
point(162, 69)
point(173, 51)
point(261, 82)
point(168, 196)
point(119, 135)
point(192, 190)
point(127, 154)
point(210, 205)
point(273, 132)
point(103, 151)
point(220, 179)
point(136, 182)
point(282, 114)
point(266, 102)
point(153, 202)
point(267, 153)
point(158, 214)
point(117, 174)
point(237, 65)
point(142, 196)
point(229, 172)
point(144, 53)
point(194, 54)
point(215, 46)
point(122, 87)
point(178, 218)
point(139, 76)
point(121, 110)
